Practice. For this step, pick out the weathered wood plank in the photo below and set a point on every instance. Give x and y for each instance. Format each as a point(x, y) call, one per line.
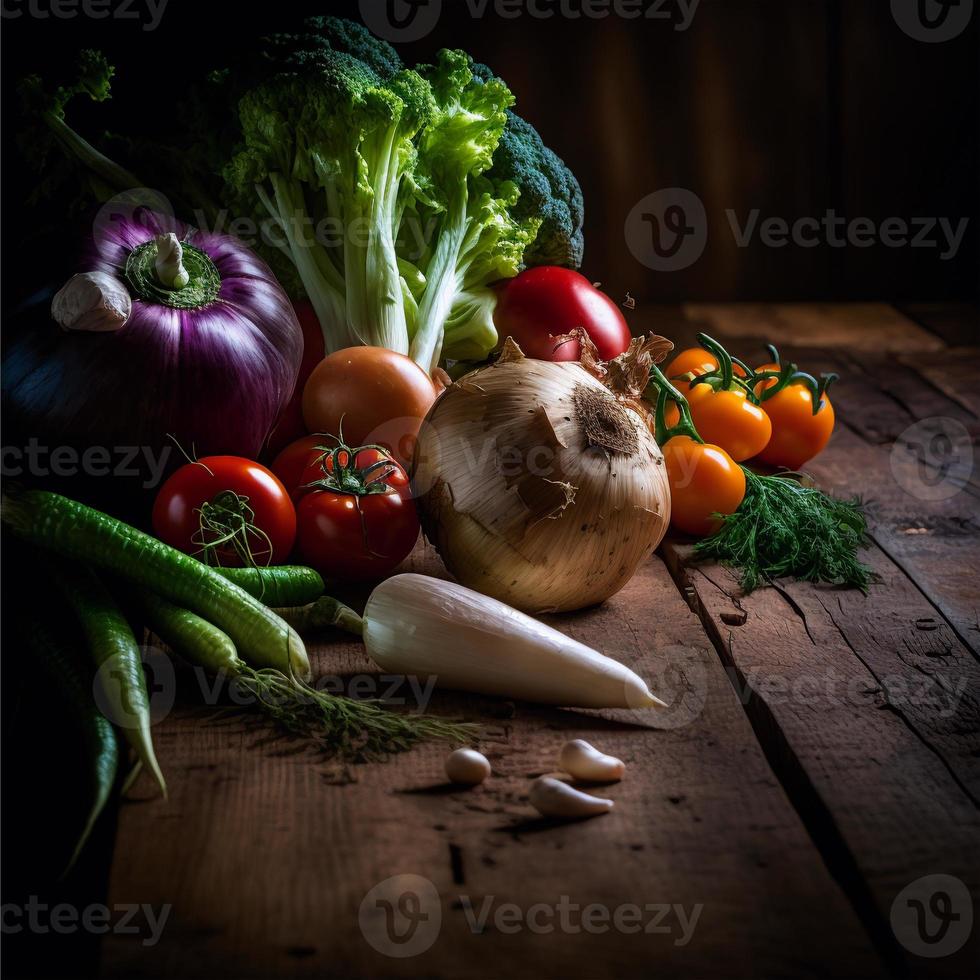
point(954, 372)
point(874, 729)
point(859, 326)
point(956, 323)
point(266, 864)
point(870, 708)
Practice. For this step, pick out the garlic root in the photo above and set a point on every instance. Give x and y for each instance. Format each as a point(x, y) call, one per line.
point(467, 766)
point(583, 761)
point(553, 798)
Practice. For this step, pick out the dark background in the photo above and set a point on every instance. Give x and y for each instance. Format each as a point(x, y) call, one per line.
point(793, 107)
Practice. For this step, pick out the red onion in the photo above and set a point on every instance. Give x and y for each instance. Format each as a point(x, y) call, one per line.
point(208, 351)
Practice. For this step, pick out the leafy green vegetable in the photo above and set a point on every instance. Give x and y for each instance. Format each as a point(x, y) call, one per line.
point(783, 528)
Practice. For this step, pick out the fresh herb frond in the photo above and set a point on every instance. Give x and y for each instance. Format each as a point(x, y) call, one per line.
point(786, 529)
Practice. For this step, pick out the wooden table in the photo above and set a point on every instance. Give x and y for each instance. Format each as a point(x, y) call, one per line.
point(821, 753)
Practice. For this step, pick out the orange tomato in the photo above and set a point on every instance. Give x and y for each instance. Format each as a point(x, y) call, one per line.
point(728, 419)
point(379, 395)
point(694, 360)
point(797, 434)
point(769, 382)
point(704, 481)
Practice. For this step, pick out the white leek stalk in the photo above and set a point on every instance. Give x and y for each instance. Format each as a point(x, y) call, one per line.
point(418, 625)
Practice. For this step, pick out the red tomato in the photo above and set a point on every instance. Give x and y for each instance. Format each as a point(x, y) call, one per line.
point(376, 395)
point(289, 425)
point(547, 301)
point(361, 532)
point(291, 463)
point(218, 494)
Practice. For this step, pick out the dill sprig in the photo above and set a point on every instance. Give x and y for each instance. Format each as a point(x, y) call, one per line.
point(783, 528)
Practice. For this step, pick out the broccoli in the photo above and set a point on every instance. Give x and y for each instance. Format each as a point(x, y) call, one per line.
point(548, 189)
point(102, 176)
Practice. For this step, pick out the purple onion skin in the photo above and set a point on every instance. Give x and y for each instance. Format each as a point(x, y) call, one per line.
point(214, 377)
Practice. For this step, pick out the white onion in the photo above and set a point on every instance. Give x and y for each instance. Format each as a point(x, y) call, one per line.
point(538, 486)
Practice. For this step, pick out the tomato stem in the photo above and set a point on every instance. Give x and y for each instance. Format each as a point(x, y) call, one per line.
point(343, 475)
point(723, 379)
point(685, 425)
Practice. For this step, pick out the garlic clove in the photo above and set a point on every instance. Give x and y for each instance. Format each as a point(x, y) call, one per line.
point(93, 301)
point(553, 798)
point(467, 766)
point(583, 761)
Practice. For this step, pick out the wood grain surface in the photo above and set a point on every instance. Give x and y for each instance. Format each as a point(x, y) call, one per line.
point(820, 755)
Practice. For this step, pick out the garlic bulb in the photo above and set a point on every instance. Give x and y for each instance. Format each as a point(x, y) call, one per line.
point(583, 761)
point(538, 486)
point(553, 798)
point(467, 767)
point(92, 301)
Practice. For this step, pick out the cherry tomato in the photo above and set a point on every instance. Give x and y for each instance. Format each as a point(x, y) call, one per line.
point(363, 532)
point(373, 394)
point(694, 360)
point(769, 382)
point(797, 434)
point(219, 495)
point(289, 425)
point(704, 481)
point(728, 419)
point(543, 303)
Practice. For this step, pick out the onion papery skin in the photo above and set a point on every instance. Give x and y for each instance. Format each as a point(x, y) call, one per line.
point(214, 377)
point(519, 499)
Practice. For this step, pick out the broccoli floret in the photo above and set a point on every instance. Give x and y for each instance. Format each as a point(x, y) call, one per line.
point(549, 190)
point(356, 40)
point(93, 77)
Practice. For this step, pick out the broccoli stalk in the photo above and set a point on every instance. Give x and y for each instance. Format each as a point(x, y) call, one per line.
point(478, 240)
